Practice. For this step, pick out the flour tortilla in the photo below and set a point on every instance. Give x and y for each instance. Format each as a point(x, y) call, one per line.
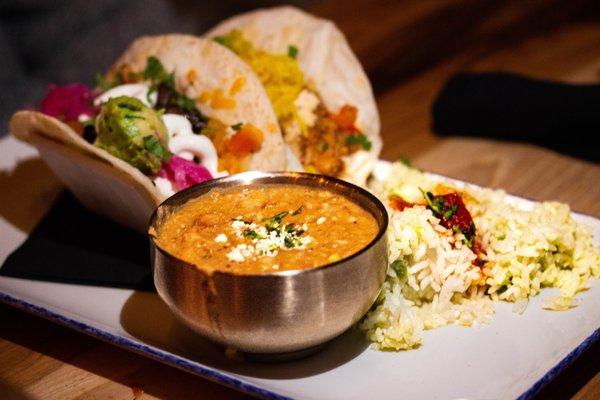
point(114, 188)
point(328, 63)
point(102, 182)
point(214, 67)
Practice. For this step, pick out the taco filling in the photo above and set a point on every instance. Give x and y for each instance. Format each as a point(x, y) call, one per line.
point(319, 137)
point(142, 119)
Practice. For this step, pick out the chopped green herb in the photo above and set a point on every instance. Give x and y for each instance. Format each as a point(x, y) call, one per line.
point(276, 219)
point(292, 51)
point(501, 237)
point(404, 160)
point(436, 205)
point(469, 240)
point(184, 102)
point(152, 144)
point(450, 212)
point(101, 82)
point(154, 70)
point(401, 268)
point(151, 90)
point(223, 40)
point(324, 147)
point(290, 241)
point(252, 234)
point(298, 210)
point(237, 126)
point(360, 140)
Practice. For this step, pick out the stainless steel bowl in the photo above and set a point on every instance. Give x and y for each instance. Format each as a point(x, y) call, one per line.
point(281, 312)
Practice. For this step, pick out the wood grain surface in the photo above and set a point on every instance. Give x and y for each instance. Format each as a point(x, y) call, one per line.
point(409, 50)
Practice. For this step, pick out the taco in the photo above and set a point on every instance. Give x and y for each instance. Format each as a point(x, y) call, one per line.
point(321, 95)
point(173, 111)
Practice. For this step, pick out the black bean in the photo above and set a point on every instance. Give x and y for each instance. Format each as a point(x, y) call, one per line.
point(166, 99)
point(164, 95)
point(197, 120)
point(89, 133)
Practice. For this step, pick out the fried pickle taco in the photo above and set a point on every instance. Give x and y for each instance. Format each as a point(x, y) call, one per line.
point(321, 95)
point(173, 111)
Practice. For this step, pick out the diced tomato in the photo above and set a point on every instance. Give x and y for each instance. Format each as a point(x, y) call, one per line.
point(245, 141)
point(346, 118)
point(460, 218)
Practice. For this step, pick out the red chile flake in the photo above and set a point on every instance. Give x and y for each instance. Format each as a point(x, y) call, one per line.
point(453, 214)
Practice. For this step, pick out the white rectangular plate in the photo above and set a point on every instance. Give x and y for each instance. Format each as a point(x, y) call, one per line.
point(514, 356)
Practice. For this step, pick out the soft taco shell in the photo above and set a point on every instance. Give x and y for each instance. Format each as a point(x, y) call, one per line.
point(202, 66)
point(114, 188)
point(101, 182)
point(328, 63)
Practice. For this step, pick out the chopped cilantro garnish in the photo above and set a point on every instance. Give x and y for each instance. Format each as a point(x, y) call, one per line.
point(501, 237)
point(105, 84)
point(298, 210)
point(252, 234)
point(155, 71)
point(222, 40)
point(292, 51)
point(450, 212)
point(401, 268)
point(324, 147)
point(152, 144)
point(436, 205)
point(290, 241)
point(237, 126)
point(360, 140)
point(101, 82)
point(469, 240)
point(404, 160)
point(276, 219)
point(184, 102)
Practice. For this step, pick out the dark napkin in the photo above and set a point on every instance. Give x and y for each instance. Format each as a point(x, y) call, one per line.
point(560, 116)
point(74, 245)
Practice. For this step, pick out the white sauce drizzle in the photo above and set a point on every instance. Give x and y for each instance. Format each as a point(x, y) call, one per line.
point(183, 142)
point(137, 90)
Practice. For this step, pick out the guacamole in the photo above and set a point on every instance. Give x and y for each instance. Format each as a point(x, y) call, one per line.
point(280, 74)
point(133, 132)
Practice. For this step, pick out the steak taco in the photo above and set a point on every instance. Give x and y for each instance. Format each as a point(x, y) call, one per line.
point(173, 111)
point(321, 95)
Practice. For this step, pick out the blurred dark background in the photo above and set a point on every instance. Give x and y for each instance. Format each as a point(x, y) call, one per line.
point(60, 41)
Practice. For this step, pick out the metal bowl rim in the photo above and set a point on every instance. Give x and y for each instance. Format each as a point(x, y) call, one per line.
point(382, 228)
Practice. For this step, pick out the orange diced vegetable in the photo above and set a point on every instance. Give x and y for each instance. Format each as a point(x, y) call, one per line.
point(245, 141)
point(346, 118)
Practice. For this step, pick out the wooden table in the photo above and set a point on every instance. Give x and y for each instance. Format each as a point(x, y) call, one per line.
point(409, 49)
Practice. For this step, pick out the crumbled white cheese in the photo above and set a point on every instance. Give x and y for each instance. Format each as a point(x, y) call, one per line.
point(221, 238)
point(235, 255)
point(266, 242)
point(305, 103)
point(321, 220)
point(241, 252)
point(238, 224)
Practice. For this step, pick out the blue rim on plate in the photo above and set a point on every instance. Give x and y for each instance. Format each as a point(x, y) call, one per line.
point(236, 383)
point(143, 349)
